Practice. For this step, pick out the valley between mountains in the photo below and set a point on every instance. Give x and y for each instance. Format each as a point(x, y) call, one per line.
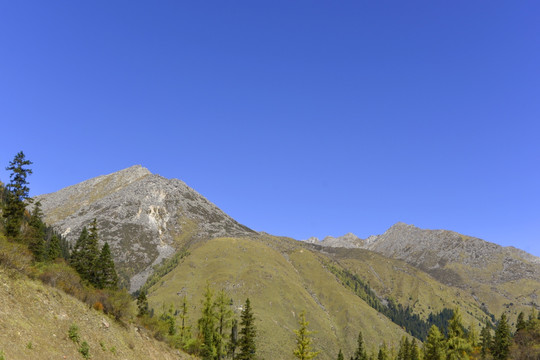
point(388, 286)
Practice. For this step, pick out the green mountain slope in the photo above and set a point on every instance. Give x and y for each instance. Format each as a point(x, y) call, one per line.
point(281, 278)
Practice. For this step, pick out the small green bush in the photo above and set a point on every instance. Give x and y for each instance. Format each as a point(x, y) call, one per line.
point(85, 350)
point(73, 333)
point(2, 357)
point(29, 345)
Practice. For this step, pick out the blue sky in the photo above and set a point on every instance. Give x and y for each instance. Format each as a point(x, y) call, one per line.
point(298, 118)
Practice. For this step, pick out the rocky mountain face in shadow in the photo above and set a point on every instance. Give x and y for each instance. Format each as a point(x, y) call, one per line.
point(144, 217)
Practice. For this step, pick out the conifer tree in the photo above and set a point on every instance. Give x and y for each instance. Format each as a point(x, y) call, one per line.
point(207, 326)
point(54, 249)
point(92, 254)
point(224, 316)
point(248, 333)
point(340, 355)
point(185, 329)
point(36, 234)
point(502, 339)
point(105, 273)
point(520, 323)
point(434, 347)
point(76, 258)
point(485, 340)
point(303, 341)
point(458, 347)
point(383, 352)
point(142, 304)
point(414, 353)
point(360, 353)
point(404, 349)
point(17, 195)
point(233, 340)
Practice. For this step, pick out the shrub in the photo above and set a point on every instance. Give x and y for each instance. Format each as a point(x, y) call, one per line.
point(85, 350)
point(98, 306)
point(119, 304)
point(14, 256)
point(73, 333)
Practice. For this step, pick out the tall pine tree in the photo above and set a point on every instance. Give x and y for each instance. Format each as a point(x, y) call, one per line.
point(457, 344)
point(17, 195)
point(485, 340)
point(207, 326)
point(434, 347)
point(224, 316)
point(360, 353)
point(105, 276)
point(502, 340)
point(248, 333)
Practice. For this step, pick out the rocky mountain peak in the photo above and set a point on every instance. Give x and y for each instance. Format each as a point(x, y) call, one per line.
point(144, 217)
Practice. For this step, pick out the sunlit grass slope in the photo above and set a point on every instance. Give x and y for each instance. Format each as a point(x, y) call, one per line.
point(281, 277)
point(35, 320)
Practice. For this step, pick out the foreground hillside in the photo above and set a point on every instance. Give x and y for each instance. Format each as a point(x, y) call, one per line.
point(35, 320)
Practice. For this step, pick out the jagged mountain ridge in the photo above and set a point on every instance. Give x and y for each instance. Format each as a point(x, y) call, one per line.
point(144, 217)
point(458, 260)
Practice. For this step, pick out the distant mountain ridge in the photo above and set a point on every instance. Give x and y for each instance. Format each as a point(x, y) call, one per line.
point(445, 254)
point(144, 217)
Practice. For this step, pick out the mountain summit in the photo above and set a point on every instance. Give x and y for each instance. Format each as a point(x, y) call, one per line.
point(144, 217)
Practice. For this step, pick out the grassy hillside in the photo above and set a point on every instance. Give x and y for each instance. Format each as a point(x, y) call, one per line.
point(35, 320)
point(281, 277)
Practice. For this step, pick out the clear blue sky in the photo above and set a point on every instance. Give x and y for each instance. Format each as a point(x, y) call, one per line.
point(298, 118)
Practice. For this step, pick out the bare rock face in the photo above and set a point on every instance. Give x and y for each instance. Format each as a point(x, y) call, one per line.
point(442, 253)
point(143, 217)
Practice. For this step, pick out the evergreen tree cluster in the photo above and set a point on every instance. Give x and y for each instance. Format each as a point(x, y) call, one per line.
point(95, 266)
point(26, 227)
point(218, 334)
point(402, 316)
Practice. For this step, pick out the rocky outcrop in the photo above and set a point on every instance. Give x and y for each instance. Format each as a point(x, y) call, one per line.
point(143, 217)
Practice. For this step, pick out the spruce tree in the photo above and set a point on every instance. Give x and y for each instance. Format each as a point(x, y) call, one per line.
point(303, 340)
point(105, 273)
point(224, 316)
point(207, 326)
point(502, 339)
point(76, 258)
point(233, 340)
point(520, 323)
point(17, 195)
point(185, 329)
point(414, 353)
point(340, 355)
point(54, 250)
point(142, 304)
point(434, 347)
point(383, 352)
point(485, 340)
point(36, 234)
point(248, 332)
point(360, 353)
point(458, 347)
point(92, 254)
